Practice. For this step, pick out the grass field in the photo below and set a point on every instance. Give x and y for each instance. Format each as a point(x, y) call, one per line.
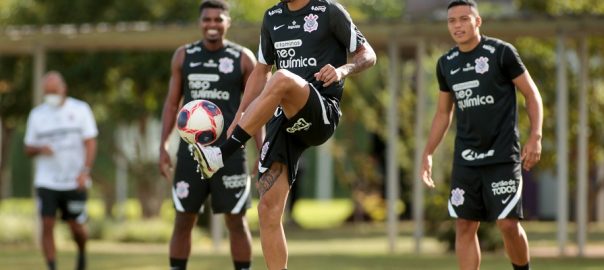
point(348, 247)
point(326, 243)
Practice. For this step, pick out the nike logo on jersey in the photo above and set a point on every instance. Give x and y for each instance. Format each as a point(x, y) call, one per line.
point(277, 27)
point(453, 71)
point(194, 64)
point(504, 201)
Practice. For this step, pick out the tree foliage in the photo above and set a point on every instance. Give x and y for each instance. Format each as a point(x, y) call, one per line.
point(128, 87)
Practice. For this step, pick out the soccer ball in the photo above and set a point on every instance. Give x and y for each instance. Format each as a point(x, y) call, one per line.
point(200, 121)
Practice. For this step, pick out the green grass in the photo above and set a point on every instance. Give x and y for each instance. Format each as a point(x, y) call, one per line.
point(154, 257)
point(324, 243)
point(348, 247)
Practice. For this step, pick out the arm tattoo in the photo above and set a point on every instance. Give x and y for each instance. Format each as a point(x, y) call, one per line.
point(360, 61)
point(268, 179)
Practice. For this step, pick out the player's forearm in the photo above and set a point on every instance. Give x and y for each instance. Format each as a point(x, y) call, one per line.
point(91, 147)
point(168, 120)
point(361, 60)
point(440, 125)
point(534, 107)
point(534, 104)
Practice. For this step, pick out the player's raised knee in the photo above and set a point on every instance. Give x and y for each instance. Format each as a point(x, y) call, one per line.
point(282, 80)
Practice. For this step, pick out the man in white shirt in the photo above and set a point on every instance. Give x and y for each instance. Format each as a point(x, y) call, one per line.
point(61, 136)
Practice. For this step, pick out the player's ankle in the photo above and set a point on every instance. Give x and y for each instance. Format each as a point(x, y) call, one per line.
point(236, 141)
point(522, 267)
point(178, 264)
point(242, 265)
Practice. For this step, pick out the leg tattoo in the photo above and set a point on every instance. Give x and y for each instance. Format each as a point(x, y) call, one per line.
point(268, 179)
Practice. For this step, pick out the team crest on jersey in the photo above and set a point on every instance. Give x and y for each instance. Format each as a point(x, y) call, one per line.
point(457, 196)
point(482, 65)
point(225, 65)
point(182, 189)
point(310, 23)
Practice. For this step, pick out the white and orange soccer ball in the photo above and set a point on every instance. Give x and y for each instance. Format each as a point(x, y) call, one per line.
point(200, 121)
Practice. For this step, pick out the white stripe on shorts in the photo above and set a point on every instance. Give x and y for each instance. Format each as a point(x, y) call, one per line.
point(506, 211)
point(452, 212)
point(323, 111)
point(243, 198)
point(177, 204)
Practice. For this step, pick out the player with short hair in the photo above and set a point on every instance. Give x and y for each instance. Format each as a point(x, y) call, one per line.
point(479, 78)
point(213, 69)
point(308, 41)
point(61, 136)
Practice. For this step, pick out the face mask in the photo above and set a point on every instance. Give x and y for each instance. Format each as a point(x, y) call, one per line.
point(53, 100)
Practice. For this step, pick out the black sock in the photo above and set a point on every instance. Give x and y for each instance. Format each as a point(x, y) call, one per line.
point(521, 267)
point(178, 264)
point(81, 263)
point(237, 140)
point(242, 265)
point(51, 265)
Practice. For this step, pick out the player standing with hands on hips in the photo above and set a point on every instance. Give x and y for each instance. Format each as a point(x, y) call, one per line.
point(61, 136)
point(479, 78)
point(213, 69)
point(308, 41)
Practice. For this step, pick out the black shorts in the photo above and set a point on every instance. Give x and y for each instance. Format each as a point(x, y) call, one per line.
point(230, 187)
point(486, 193)
point(72, 204)
point(286, 139)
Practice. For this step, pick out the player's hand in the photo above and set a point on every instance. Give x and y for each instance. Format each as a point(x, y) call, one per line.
point(426, 171)
point(84, 175)
point(531, 153)
point(165, 165)
point(45, 150)
point(328, 75)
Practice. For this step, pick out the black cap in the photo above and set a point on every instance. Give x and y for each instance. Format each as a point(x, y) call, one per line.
point(454, 3)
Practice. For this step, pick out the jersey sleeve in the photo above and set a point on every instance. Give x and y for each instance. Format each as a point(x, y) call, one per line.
point(89, 128)
point(30, 131)
point(511, 63)
point(266, 49)
point(344, 29)
point(442, 82)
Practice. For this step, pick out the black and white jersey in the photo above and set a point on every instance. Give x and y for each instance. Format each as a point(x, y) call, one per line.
point(485, 101)
point(216, 76)
point(305, 40)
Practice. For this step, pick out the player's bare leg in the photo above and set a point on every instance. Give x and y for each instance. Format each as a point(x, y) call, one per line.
point(180, 243)
point(80, 235)
point(240, 237)
point(515, 241)
point(467, 247)
point(273, 188)
point(283, 88)
point(48, 240)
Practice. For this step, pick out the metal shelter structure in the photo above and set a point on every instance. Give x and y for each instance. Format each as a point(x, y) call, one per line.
point(400, 40)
